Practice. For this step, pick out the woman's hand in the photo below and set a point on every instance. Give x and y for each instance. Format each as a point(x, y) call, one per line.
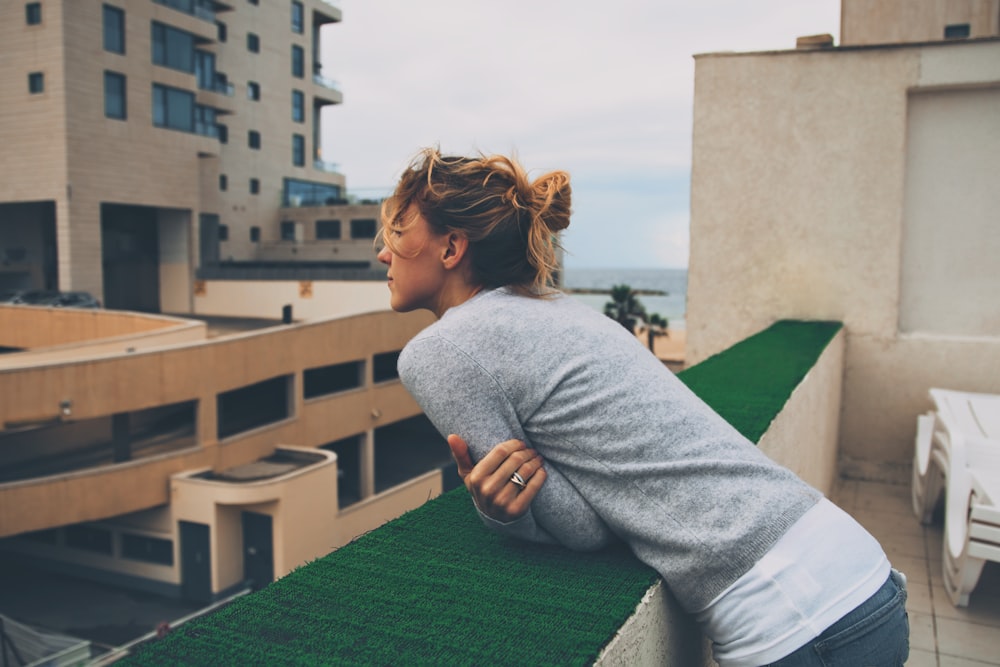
point(490, 483)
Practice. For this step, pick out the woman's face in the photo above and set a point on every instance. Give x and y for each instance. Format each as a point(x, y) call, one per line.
point(416, 274)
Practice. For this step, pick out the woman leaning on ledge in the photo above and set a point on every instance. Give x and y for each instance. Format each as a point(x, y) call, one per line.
point(599, 442)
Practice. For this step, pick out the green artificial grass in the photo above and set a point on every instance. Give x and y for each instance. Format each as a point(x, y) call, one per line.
point(749, 383)
point(435, 587)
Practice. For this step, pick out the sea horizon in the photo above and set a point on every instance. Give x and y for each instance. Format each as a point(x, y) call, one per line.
point(671, 304)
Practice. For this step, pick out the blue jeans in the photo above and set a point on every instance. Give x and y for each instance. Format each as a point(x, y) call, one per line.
point(875, 634)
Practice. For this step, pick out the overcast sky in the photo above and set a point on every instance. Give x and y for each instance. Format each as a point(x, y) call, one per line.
point(601, 89)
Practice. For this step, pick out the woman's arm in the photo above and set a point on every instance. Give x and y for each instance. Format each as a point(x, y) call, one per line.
point(460, 397)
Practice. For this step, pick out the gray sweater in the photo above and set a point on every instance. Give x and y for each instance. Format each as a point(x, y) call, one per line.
point(630, 451)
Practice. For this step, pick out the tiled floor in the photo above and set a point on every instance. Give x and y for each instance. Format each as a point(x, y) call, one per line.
point(941, 635)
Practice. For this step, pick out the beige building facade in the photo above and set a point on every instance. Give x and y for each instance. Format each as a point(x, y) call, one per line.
point(857, 184)
point(144, 141)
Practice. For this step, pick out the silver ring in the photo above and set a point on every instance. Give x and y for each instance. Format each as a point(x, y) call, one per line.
point(518, 480)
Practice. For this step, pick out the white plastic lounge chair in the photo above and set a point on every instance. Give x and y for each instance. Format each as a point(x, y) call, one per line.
point(958, 450)
point(971, 526)
point(929, 469)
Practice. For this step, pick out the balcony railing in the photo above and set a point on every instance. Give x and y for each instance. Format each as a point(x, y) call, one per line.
point(326, 82)
point(329, 167)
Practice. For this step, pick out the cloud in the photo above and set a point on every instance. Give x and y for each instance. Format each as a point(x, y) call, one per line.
point(601, 90)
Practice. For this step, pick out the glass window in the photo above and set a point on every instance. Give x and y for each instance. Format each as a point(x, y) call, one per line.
point(205, 71)
point(89, 538)
point(204, 121)
point(36, 83)
point(298, 150)
point(297, 17)
point(253, 43)
point(287, 230)
point(384, 366)
point(255, 234)
point(298, 61)
point(147, 549)
point(33, 13)
point(253, 90)
point(363, 228)
point(223, 232)
point(328, 229)
point(310, 193)
point(173, 48)
point(114, 29)
point(298, 106)
point(253, 139)
point(222, 31)
point(956, 31)
point(254, 186)
point(173, 108)
point(222, 131)
point(223, 182)
point(114, 95)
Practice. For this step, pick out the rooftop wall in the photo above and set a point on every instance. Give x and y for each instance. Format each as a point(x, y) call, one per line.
point(807, 189)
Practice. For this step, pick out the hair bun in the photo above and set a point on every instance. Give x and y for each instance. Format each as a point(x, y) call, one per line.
point(552, 195)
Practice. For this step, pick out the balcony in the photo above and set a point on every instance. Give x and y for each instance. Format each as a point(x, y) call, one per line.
point(330, 93)
point(328, 167)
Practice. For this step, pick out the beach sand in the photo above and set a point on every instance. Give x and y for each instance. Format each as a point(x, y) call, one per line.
point(669, 349)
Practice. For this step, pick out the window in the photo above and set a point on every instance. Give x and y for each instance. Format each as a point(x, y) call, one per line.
point(254, 186)
point(287, 230)
point(253, 139)
point(204, 121)
point(328, 229)
point(114, 29)
point(222, 131)
point(223, 232)
point(255, 234)
point(222, 32)
point(253, 91)
point(204, 67)
point(298, 150)
point(298, 61)
point(148, 549)
point(253, 2)
point(223, 182)
point(36, 83)
point(253, 406)
point(297, 17)
point(310, 193)
point(173, 108)
point(384, 366)
point(253, 43)
point(33, 13)
point(298, 106)
point(363, 228)
point(173, 48)
point(332, 379)
point(89, 538)
point(956, 31)
point(114, 95)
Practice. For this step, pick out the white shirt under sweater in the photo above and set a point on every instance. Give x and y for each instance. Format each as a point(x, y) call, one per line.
point(631, 453)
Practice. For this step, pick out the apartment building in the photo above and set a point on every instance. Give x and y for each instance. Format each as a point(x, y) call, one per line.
point(164, 155)
point(144, 140)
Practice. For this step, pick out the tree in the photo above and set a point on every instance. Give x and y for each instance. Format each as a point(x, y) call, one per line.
point(624, 307)
point(656, 326)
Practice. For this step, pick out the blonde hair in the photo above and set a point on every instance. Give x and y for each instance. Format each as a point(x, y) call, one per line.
point(509, 220)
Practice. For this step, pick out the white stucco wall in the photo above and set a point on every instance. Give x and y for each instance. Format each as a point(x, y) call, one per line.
point(310, 299)
point(798, 210)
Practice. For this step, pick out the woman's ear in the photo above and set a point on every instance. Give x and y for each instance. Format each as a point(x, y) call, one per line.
point(454, 251)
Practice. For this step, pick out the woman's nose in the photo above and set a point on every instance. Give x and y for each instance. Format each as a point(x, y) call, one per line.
point(384, 256)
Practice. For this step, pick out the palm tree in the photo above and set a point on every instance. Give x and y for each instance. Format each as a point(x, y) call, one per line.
point(624, 307)
point(656, 326)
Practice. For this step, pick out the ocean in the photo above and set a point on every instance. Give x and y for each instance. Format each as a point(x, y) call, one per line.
point(671, 281)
